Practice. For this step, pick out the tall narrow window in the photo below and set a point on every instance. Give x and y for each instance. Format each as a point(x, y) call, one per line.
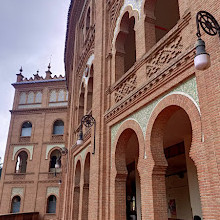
point(81, 104)
point(15, 204)
point(55, 161)
point(51, 204)
point(125, 45)
point(88, 20)
point(58, 127)
point(26, 129)
point(90, 92)
point(21, 164)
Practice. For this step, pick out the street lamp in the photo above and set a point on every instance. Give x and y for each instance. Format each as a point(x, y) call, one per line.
point(211, 27)
point(88, 121)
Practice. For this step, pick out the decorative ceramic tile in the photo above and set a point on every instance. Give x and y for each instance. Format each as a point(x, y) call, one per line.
point(82, 154)
point(17, 148)
point(49, 147)
point(52, 190)
point(187, 88)
point(17, 191)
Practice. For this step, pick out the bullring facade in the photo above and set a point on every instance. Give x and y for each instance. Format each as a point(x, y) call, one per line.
point(155, 154)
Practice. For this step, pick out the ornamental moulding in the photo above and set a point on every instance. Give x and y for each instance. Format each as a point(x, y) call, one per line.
point(184, 61)
point(39, 110)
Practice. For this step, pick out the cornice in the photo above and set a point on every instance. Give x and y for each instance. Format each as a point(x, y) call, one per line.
point(18, 182)
point(50, 181)
point(23, 143)
point(39, 110)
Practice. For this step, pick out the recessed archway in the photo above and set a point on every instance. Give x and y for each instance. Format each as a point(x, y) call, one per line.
point(85, 198)
point(127, 181)
point(125, 45)
point(160, 17)
point(76, 196)
point(174, 179)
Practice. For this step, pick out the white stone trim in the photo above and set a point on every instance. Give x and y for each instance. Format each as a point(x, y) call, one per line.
point(29, 148)
point(53, 190)
point(49, 147)
point(17, 191)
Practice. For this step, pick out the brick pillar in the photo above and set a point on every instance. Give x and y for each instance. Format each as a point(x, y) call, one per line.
point(85, 202)
point(150, 36)
point(159, 193)
point(120, 196)
point(76, 198)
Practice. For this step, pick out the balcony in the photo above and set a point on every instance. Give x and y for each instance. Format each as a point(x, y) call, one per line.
point(57, 138)
point(163, 61)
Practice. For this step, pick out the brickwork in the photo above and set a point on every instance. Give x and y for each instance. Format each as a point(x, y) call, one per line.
point(37, 178)
point(159, 102)
point(161, 68)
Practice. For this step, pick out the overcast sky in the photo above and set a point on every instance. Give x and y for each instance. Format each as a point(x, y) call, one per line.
point(30, 32)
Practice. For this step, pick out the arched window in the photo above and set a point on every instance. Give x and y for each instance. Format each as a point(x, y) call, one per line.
point(38, 98)
point(22, 98)
point(58, 127)
point(21, 163)
point(81, 104)
point(15, 204)
point(164, 15)
point(51, 204)
point(26, 129)
point(90, 91)
point(125, 45)
point(30, 98)
point(167, 15)
point(55, 161)
point(88, 20)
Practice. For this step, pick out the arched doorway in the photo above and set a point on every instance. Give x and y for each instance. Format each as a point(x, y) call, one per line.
point(127, 181)
point(85, 206)
point(76, 196)
point(174, 180)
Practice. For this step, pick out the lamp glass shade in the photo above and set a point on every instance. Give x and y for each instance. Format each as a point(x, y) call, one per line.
point(57, 166)
point(79, 142)
point(202, 61)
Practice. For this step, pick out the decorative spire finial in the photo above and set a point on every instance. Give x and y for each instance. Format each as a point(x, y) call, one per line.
point(21, 70)
point(37, 71)
point(49, 66)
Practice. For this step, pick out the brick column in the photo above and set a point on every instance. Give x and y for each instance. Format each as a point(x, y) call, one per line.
point(76, 199)
point(120, 196)
point(159, 193)
point(85, 202)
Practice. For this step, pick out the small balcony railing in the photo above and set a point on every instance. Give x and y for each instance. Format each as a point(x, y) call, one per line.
point(154, 65)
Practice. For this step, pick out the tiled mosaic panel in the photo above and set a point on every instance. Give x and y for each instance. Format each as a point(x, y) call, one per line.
point(142, 116)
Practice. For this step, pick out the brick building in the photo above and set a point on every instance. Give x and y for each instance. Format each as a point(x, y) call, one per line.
point(156, 150)
point(36, 141)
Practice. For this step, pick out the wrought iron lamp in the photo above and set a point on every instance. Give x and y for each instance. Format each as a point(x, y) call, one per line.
point(88, 121)
point(211, 27)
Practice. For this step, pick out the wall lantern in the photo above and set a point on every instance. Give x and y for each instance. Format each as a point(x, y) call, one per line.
point(211, 27)
point(88, 121)
point(64, 152)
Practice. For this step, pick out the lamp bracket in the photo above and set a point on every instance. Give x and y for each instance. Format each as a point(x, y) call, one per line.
point(208, 24)
point(88, 121)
